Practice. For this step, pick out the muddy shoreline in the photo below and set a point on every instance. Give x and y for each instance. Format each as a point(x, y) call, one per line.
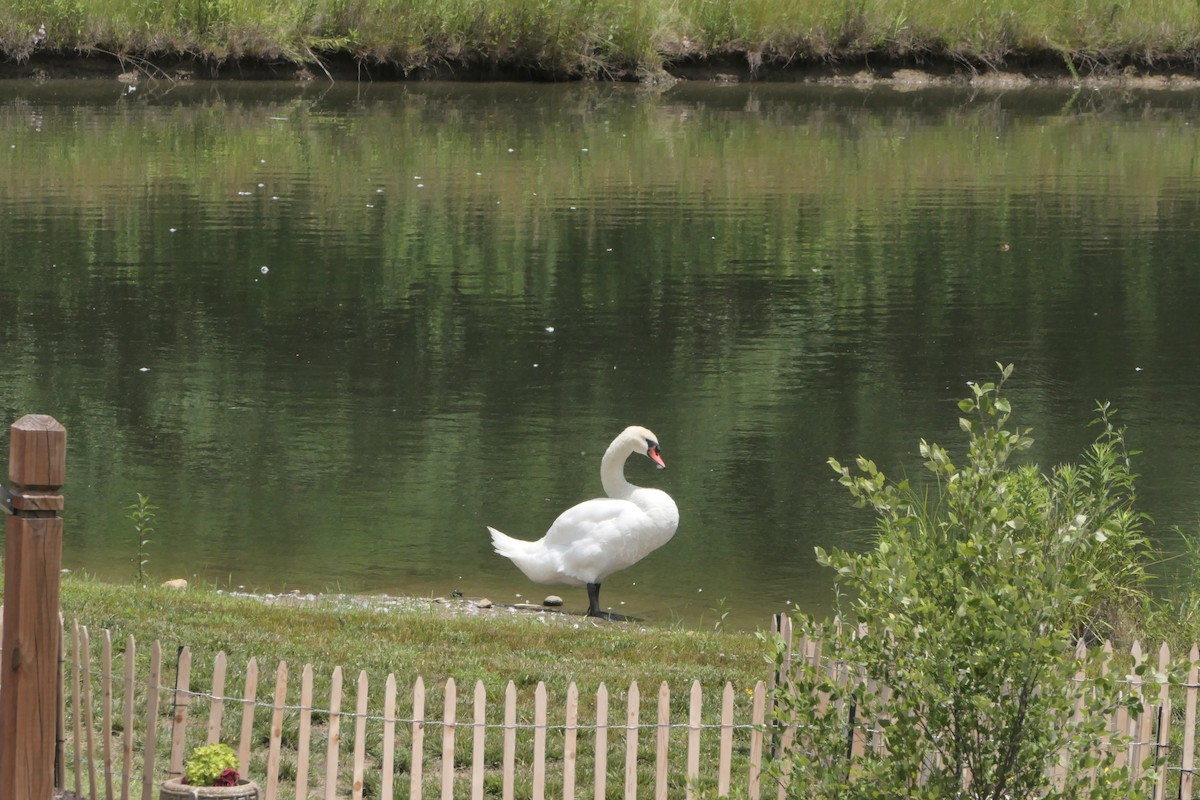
point(1045, 69)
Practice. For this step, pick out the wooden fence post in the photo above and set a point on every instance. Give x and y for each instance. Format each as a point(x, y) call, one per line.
point(32, 640)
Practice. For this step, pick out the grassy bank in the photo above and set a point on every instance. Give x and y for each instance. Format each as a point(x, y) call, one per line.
point(429, 640)
point(417, 639)
point(584, 38)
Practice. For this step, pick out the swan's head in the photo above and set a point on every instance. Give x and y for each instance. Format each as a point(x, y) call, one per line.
point(643, 441)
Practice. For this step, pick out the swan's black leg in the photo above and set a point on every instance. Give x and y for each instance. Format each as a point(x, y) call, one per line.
point(593, 590)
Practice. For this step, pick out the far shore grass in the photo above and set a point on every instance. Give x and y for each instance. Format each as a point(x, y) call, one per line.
point(625, 39)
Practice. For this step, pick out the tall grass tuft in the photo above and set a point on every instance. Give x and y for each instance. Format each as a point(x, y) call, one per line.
point(609, 38)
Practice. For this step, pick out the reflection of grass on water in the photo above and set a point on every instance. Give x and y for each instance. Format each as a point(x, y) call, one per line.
point(411, 642)
point(582, 38)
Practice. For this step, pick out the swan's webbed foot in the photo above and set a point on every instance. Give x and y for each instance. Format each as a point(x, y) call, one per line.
point(594, 606)
point(593, 590)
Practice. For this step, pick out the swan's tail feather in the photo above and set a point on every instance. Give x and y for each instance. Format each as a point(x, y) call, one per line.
point(530, 557)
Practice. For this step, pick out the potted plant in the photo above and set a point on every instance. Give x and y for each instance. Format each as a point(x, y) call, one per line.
point(210, 772)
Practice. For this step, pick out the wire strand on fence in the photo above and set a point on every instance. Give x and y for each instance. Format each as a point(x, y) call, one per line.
point(261, 704)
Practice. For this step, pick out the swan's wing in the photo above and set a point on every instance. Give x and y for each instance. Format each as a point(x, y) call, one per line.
point(594, 521)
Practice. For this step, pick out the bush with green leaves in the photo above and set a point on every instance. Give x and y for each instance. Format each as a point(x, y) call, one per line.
point(209, 764)
point(967, 616)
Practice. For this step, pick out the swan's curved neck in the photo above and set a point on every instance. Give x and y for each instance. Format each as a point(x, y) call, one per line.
point(612, 470)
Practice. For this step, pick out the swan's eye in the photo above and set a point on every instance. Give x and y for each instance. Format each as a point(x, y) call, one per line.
point(652, 447)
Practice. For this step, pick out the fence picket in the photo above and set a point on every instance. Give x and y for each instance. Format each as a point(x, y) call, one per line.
point(478, 741)
point(757, 720)
point(417, 763)
point(181, 700)
point(276, 742)
point(85, 644)
point(725, 757)
point(360, 736)
point(127, 716)
point(60, 733)
point(1162, 738)
point(570, 741)
point(510, 739)
point(333, 744)
point(304, 735)
point(250, 698)
point(106, 698)
point(216, 708)
point(76, 677)
point(632, 710)
point(1188, 762)
point(662, 741)
point(387, 761)
point(695, 706)
point(151, 720)
point(600, 779)
point(539, 742)
point(1139, 728)
point(1119, 721)
point(449, 717)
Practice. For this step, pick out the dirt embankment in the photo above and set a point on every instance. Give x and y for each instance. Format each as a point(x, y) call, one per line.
point(1025, 70)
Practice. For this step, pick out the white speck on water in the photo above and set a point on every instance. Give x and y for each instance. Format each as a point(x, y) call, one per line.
point(245, 194)
point(379, 191)
point(144, 369)
point(172, 230)
point(416, 177)
point(478, 174)
point(511, 150)
point(262, 185)
point(549, 329)
point(264, 270)
point(699, 590)
point(1137, 369)
point(278, 119)
point(420, 186)
point(536, 365)
point(584, 150)
point(518, 597)
point(572, 208)
point(274, 197)
point(262, 161)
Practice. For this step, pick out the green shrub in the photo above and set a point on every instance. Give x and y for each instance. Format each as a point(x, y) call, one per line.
point(208, 763)
point(969, 610)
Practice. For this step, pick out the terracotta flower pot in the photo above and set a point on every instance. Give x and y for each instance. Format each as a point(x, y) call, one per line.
point(176, 789)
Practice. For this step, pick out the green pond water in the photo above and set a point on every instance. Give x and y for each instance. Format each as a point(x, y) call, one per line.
point(334, 331)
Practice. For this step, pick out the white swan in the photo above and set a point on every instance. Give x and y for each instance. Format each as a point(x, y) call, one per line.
point(590, 541)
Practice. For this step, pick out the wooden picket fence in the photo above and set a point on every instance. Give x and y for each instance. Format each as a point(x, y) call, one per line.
point(117, 730)
point(1163, 727)
point(122, 731)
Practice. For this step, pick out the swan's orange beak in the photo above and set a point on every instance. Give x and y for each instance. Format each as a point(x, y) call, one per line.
point(656, 456)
